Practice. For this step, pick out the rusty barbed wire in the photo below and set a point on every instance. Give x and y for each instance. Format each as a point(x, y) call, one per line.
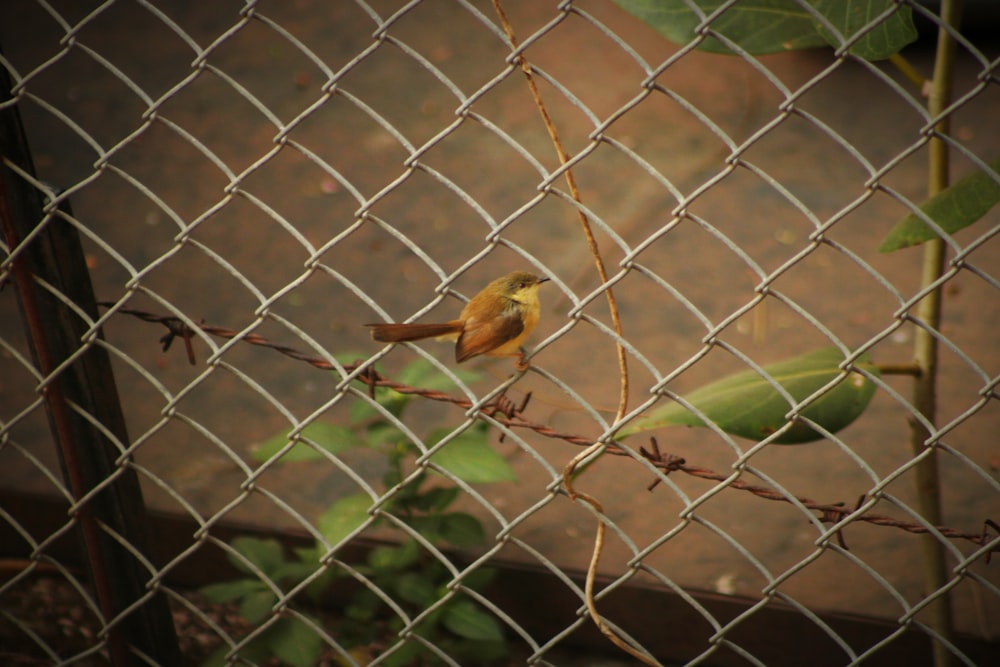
point(504, 411)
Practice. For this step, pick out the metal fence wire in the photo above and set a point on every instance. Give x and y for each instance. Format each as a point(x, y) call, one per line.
point(256, 182)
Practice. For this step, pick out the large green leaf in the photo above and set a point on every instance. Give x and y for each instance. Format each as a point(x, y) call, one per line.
point(850, 16)
point(953, 208)
point(758, 26)
point(747, 405)
point(470, 457)
point(772, 26)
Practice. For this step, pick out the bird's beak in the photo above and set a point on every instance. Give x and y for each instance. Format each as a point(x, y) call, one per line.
point(543, 280)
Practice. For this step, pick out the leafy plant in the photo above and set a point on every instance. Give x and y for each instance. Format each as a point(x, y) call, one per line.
point(405, 572)
point(871, 30)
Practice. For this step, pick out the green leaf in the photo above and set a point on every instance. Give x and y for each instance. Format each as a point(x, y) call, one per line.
point(266, 554)
point(362, 410)
point(757, 26)
point(772, 26)
point(953, 208)
point(380, 433)
point(331, 437)
point(344, 517)
point(294, 642)
point(227, 591)
point(456, 528)
point(407, 654)
point(294, 571)
point(387, 559)
point(420, 373)
point(437, 499)
point(253, 653)
point(470, 457)
point(479, 578)
point(424, 374)
point(429, 526)
point(414, 587)
point(850, 16)
point(255, 607)
point(467, 620)
point(747, 405)
point(462, 530)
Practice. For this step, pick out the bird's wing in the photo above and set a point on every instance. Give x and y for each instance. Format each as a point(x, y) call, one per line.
point(481, 337)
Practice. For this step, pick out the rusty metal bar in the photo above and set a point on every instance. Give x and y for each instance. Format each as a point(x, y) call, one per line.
point(55, 333)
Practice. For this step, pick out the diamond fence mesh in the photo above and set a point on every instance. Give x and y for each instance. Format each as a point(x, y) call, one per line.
point(255, 182)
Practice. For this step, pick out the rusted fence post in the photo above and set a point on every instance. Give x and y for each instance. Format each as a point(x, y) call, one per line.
point(78, 397)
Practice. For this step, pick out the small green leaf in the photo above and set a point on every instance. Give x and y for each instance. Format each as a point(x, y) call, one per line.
point(462, 530)
point(344, 517)
point(294, 642)
point(467, 620)
point(429, 526)
point(437, 499)
point(953, 208)
point(388, 559)
point(747, 405)
point(414, 587)
point(228, 591)
point(455, 528)
point(331, 437)
point(420, 373)
point(380, 433)
point(255, 607)
point(424, 374)
point(362, 410)
point(406, 655)
point(266, 554)
point(254, 653)
point(294, 571)
point(470, 457)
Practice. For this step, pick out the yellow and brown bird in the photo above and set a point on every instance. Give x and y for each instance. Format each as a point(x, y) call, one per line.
point(495, 322)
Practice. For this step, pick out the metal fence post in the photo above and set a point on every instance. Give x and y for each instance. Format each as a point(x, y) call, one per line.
point(86, 386)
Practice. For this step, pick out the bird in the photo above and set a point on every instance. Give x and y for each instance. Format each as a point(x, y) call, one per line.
point(494, 323)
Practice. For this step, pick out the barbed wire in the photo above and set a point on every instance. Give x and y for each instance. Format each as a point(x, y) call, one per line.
point(506, 412)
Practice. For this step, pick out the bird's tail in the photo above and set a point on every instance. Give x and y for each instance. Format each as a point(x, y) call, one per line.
point(399, 333)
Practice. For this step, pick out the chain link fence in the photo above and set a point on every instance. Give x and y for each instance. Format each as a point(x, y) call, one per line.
point(741, 434)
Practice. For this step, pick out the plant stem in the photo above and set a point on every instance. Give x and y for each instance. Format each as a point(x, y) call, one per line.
point(926, 346)
point(909, 71)
point(913, 369)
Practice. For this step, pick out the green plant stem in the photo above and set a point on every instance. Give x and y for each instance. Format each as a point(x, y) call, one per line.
point(913, 369)
point(908, 70)
point(926, 347)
